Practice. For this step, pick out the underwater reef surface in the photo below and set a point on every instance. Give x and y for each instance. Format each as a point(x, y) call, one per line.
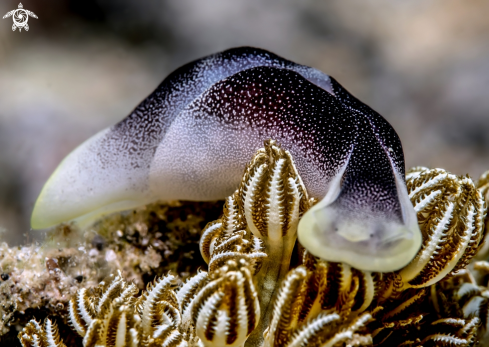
point(133, 279)
point(39, 280)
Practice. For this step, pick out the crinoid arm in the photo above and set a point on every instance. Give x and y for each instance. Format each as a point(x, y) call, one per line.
point(451, 213)
point(263, 289)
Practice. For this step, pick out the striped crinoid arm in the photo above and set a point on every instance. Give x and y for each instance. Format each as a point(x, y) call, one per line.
point(259, 226)
point(450, 213)
point(352, 333)
point(343, 288)
point(309, 300)
point(212, 232)
point(81, 311)
point(403, 311)
point(451, 332)
point(105, 315)
point(167, 332)
point(240, 246)
point(230, 222)
point(483, 186)
point(442, 332)
point(158, 297)
point(272, 195)
point(297, 302)
point(226, 310)
point(442, 314)
point(309, 333)
point(272, 198)
point(222, 240)
point(224, 303)
point(37, 335)
point(119, 326)
point(187, 293)
point(288, 306)
point(88, 305)
point(398, 318)
point(473, 300)
point(328, 330)
point(107, 291)
point(232, 218)
point(430, 316)
point(110, 315)
point(347, 290)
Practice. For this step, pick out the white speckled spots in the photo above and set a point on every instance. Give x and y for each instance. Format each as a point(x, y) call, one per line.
point(191, 138)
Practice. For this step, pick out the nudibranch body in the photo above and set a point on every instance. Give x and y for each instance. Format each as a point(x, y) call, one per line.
point(192, 137)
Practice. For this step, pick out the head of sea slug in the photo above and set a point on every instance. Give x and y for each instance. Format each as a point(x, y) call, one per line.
point(366, 219)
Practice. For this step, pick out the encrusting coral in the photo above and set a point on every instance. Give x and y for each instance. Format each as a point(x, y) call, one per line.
point(262, 288)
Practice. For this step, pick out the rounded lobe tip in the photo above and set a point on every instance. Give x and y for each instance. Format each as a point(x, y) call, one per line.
point(37, 219)
point(84, 187)
point(372, 243)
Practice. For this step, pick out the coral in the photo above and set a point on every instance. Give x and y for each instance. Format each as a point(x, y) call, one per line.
point(271, 199)
point(226, 310)
point(483, 186)
point(450, 212)
point(300, 319)
point(35, 335)
point(39, 280)
point(262, 288)
point(465, 295)
point(112, 315)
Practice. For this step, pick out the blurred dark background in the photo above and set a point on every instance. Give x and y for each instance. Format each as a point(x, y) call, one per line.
point(83, 65)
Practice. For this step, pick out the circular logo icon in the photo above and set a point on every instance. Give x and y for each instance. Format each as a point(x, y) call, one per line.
point(20, 17)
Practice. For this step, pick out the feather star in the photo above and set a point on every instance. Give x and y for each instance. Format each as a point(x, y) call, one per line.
point(251, 294)
point(190, 140)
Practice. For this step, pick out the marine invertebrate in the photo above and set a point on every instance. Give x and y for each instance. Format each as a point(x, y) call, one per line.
point(303, 314)
point(465, 295)
point(36, 335)
point(483, 186)
point(450, 212)
point(422, 330)
point(265, 211)
point(231, 303)
point(38, 280)
point(318, 287)
point(255, 294)
point(226, 310)
point(111, 315)
point(190, 139)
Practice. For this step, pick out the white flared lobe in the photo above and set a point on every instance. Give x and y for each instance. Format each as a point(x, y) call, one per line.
point(375, 243)
point(88, 184)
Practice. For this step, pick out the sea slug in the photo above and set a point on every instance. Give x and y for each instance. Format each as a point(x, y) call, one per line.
point(192, 137)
